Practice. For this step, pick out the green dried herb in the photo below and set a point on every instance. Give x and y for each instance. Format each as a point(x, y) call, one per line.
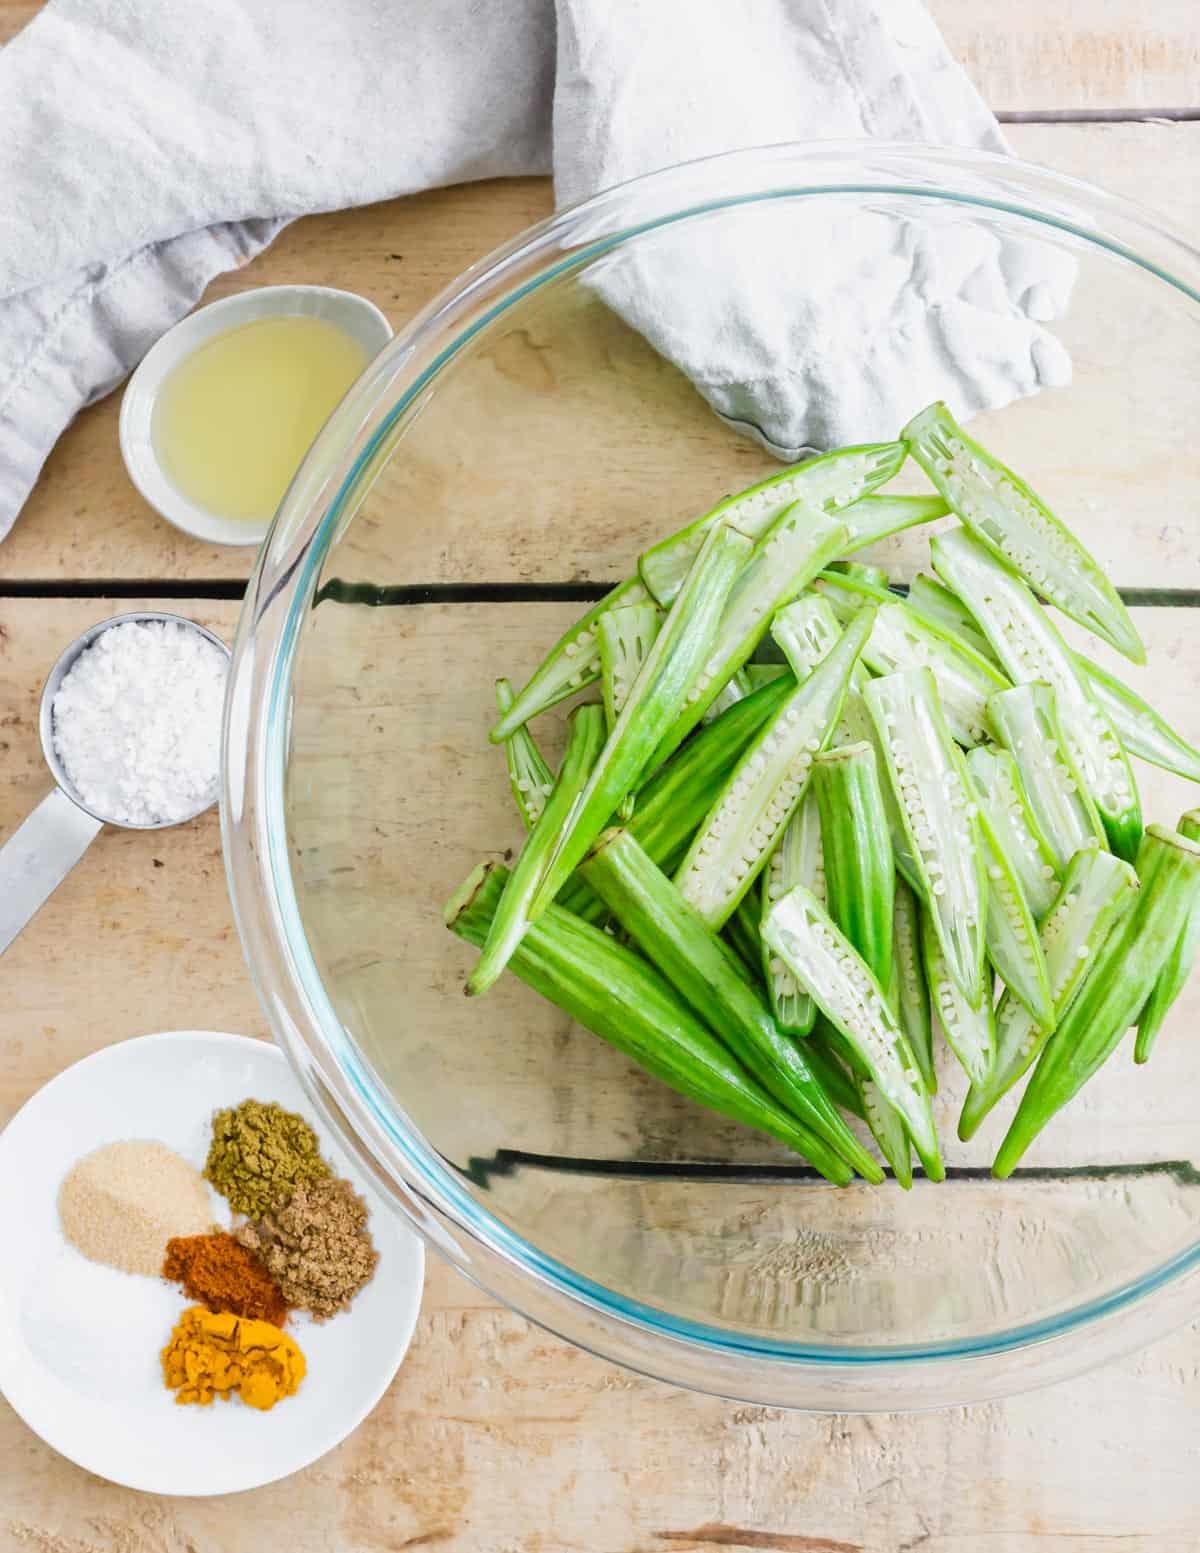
point(259, 1154)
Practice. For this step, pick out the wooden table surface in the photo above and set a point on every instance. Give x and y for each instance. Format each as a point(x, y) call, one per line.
point(495, 1438)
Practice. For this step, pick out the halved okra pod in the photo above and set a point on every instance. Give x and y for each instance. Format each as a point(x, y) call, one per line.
point(668, 677)
point(614, 993)
point(823, 484)
point(860, 872)
point(1002, 801)
point(1017, 527)
point(1115, 988)
point(530, 777)
point(1173, 977)
point(797, 859)
point(822, 959)
point(1026, 721)
point(572, 663)
point(910, 988)
point(885, 1122)
point(939, 815)
point(624, 638)
point(1097, 892)
point(969, 1030)
point(1141, 730)
point(677, 797)
point(705, 974)
point(1013, 946)
point(1031, 651)
point(785, 560)
point(765, 788)
point(512, 914)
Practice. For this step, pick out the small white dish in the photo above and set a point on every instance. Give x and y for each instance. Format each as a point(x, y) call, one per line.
point(360, 319)
point(80, 1343)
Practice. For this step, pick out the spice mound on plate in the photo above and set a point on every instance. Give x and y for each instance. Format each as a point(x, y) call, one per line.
point(137, 722)
point(217, 1272)
point(259, 1154)
point(214, 1355)
point(123, 1202)
point(317, 1247)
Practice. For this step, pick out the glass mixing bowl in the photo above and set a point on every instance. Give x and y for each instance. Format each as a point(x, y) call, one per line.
point(500, 464)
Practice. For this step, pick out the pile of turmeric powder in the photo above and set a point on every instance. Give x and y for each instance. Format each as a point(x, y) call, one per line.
point(213, 1355)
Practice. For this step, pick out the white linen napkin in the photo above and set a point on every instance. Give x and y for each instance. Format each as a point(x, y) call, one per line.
point(148, 145)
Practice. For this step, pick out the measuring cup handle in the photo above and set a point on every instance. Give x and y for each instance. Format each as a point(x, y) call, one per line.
point(38, 856)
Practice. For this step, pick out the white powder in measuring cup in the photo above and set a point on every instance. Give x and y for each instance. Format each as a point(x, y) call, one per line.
point(137, 722)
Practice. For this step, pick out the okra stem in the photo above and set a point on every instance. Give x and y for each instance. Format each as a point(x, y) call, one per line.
point(704, 973)
point(1115, 988)
point(619, 997)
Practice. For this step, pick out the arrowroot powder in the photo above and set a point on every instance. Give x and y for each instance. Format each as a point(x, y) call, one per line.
point(137, 722)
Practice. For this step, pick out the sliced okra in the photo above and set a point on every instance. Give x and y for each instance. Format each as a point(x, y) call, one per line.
point(1002, 801)
point(530, 777)
point(1174, 975)
point(797, 859)
point(624, 638)
point(969, 1030)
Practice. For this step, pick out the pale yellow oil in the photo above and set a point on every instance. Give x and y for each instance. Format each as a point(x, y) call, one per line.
point(235, 418)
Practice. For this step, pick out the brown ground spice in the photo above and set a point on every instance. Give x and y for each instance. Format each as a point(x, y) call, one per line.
point(317, 1246)
point(218, 1272)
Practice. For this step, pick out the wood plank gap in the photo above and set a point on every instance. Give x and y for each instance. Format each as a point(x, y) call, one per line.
point(231, 589)
point(1099, 116)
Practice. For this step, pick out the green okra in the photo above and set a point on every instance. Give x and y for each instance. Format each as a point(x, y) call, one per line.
point(624, 638)
point(669, 676)
point(1114, 989)
point(784, 561)
point(742, 934)
point(614, 993)
point(824, 484)
point(969, 1030)
point(765, 788)
point(570, 665)
point(1173, 977)
point(1031, 651)
point(677, 797)
point(1017, 527)
point(760, 674)
point(705, 974)
point(1099, 889)
point(910, 986)
point(1013, 945)
point(1142, 730)
point(936, 602)
point(940, 818)
point(835, 1077)
point(1003, 803)
point(860, 872)
point(733, 691)
point(797, 859)
point(530, 777)
point(822, 959)
point(513, 913)
point(1026, 721)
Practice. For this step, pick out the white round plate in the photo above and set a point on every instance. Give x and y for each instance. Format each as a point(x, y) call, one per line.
point(80, 1343)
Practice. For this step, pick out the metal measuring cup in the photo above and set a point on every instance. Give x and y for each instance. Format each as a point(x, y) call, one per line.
point(42, 851)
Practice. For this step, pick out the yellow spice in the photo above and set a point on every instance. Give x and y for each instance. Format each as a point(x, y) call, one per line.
point(216, 1355)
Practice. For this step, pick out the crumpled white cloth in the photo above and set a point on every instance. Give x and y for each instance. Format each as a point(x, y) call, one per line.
point(148, 145)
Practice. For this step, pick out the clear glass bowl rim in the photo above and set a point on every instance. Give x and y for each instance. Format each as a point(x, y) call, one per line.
point(344, 1088)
